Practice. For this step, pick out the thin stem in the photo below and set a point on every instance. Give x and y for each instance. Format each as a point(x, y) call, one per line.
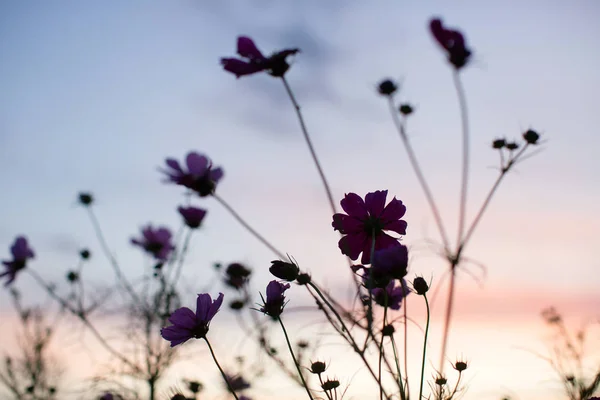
point(462, 100)
point(424, 348)
point(252, 231)
point(182, 255)
point(110, 256)
point(420, 177)
point(405, 290)
point(313, 153)
point(449, 308)
point(400, 380)
point(287, 339)
point(385, 302)
point(212, 353)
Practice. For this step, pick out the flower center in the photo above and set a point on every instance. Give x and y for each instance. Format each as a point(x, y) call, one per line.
point(373, 226)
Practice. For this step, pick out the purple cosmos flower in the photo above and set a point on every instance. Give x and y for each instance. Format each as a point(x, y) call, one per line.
point(254, 61)
point(275, 299)
point(395, 295)
point(20, 252)
point(157, 242)
point(452, 41)
point(391, 262)
point(192, 216)
point(187, 324)
point(200, 176)
point(366, 220)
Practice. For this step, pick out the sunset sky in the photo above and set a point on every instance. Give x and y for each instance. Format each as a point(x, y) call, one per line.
point(95, 95)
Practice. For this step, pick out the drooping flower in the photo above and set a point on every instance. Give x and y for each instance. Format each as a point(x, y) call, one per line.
point(192, 216)
point(254, 61)
point(395, 295)
point(275, 302)
point(367, 220)
point(452, 41)
point(187, 324)
point(200, 176)
point(20, 252)
point(155, 241)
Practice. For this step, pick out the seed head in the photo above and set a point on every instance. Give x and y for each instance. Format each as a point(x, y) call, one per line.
point(387, 87)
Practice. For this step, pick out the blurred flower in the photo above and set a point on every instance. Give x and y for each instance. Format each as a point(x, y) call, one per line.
point(199, 177)
point(157, 242)
point(531, 136)
point(20, 252)
point(452, 41)
point(498, 143)
point(366, 220)
point(275, 302)
point(237, 382)
point(387, 87)
point(390, 263)
point(187, 324)
point(254, 61)
point(195, 386)
point(330, 384)
point(284, 270)
point(192, 216)
point(107, 396)
point(237, 275)
point(85, 254)
point(85, 198)
point(72, 276)
point(395, 295)
point(406, 109)
point(512, 146)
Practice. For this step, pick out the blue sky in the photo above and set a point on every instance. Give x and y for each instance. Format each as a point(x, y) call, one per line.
point(95, 95)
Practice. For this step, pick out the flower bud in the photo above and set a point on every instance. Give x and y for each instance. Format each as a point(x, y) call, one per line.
point(284, 270)
point(85, 254)
point(86, 198)
point(531, 136)
point(406, 109)
point(512, 146)
point(303, 279)
point(318, 367)
point(387, 87)
point(498, 143)
point(420, 285)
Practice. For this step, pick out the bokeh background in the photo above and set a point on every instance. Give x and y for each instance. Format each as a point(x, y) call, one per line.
point(94, 96)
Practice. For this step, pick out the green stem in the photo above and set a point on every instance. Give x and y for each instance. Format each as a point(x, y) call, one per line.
point(212, 353)
point(381, 342)
point(287, 339)
point(400, 380)
point(424, 349)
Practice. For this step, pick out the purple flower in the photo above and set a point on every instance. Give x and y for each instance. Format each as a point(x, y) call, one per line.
point(237, 382)
point(20, 252)
point(452, 41)
point(395, 294)
point(254, 61)
point(200, 176)
point(187, 324)
point(391, 262)
point(237, 275)
point(275, 302)
point(157, 242)
point(366, 220)
point(192, 216)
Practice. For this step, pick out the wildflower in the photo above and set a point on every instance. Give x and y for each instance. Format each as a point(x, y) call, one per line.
point(406, 109)
point(366, 221)
point(317, 367)
point(420, 285)
point(531, 136)
point(192, 216)
point(460, 366)
point(391, 262)
point(86, 199)
point(237, 382)
point(512, 146)
point(387, 87)
point(200, 176)
point(330, 384)
point(237, 275)
point(275, 302)
point(237, 305)
point(85, 254)
point(498, 143)
point(440, 381)
point(288, 271)
point(20, 252)
point(452, 41)
point(253, 61)
point(157, 242)
point(391, 296)
point(187, 324)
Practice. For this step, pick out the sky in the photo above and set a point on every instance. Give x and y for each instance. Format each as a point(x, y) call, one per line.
point(95, 95)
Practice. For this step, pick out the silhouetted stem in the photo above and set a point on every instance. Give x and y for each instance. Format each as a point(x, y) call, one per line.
point(424, 349)
point(313, 153)
point(449, 307)
point(252, 231)
point(405, 290)
point(287, 339)
point(464, 185)
point(420, 177)
point(212, 353)
point(385, 307)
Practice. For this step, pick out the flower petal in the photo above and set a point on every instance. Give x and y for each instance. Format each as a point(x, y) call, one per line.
point(175, 335)
point(354, 205)
point(246, 48)
point(197, 164)
point(183, 318)
point(216, 174)
point(397, 226)
point(375, 202)
point(353, 244)
point(393, 211)
point(174, 164)
point(240, 68)
point(214, 307)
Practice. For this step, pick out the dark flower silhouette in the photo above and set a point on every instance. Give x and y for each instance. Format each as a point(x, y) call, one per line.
point(395, 295)
point(253, 61)
point(200, 176)
point(367, 220)
point(187, 324)
point(192, 216)
point(237, 275)
point(273, 305)
point(156, 242)
point(452, 41)
point(20, 252)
